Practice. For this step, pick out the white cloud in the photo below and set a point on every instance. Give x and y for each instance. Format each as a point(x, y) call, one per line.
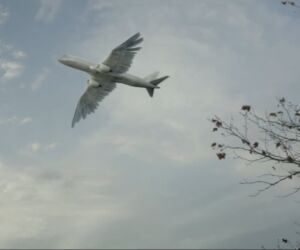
point(36, 147)
point(10, 61)
point(10, 69)
point(4, 14)
point(11, 66)
point(40, 79)
point(14, 120)
point(4, 47)
point(36, 199)
point(25, 120)
point(9, 121)
point(9, 51)
point(18, 54)
point(51, 146)
point(48, 10)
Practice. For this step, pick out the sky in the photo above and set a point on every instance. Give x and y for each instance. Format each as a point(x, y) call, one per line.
point(140, 173)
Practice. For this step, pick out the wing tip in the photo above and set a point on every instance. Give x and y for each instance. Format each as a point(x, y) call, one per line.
point(73, 123)
point(132, 41)
point(138, 34)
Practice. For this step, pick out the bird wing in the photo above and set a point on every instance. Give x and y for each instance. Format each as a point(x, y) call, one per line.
point(90, 99)
point(121, 57)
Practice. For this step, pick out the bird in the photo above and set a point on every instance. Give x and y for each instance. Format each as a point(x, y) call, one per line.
point(105, 76)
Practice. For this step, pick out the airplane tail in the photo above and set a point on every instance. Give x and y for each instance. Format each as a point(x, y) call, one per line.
point(152, 78)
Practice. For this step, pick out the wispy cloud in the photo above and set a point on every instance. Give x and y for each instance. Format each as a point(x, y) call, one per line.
point(10, 120)
point(25, 120)
point(36, 147)
point(4, 14)
point(8, 50)
point(19, 54)
point(40, 79)
point(48, 10)
point(11, 65)
point(10, 69)
point(14, 120)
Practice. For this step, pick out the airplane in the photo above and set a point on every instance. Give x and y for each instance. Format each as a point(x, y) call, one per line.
point(104, 76)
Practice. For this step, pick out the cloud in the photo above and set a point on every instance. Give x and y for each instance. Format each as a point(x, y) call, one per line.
point(26, 120)
point(10, 63)
point(4, 47)
point(51, 146)
point(10, 69)
point(18, 54)
point(14, 120)
point(4, 14)
point(9, 51)
point(48, 10)
point(36, 147)
point(10, 120)
point(40, 79)
point(36, 199)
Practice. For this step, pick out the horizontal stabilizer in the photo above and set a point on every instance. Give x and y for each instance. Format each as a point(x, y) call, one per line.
point(159, 80)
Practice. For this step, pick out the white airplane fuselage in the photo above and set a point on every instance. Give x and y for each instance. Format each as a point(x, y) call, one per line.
point(101, 71)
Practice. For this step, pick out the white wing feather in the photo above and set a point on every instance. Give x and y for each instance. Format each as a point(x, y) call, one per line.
point(89, 101)
point(120, 58)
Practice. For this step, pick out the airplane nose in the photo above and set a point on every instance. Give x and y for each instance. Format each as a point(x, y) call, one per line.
point(61, 60)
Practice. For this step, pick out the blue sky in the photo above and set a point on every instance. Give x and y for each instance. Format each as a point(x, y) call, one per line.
point(139, 173)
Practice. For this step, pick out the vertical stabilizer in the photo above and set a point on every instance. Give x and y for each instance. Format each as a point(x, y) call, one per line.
point(152, 79)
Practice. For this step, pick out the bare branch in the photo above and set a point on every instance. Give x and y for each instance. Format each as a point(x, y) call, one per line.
point(259, 139)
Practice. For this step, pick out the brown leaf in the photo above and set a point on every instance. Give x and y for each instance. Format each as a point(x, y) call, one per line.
point(221, 156)
point(213, 144)
point(219, 124)
point(255, 144)
point(278, 144)
point(282, 100)
point(246, 107)
point(273, 114)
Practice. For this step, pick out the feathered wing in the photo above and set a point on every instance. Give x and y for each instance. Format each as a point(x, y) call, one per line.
point(90, 99)
point(121, 57)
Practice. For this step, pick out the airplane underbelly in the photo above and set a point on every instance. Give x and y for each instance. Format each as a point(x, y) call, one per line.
point(131, 80)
